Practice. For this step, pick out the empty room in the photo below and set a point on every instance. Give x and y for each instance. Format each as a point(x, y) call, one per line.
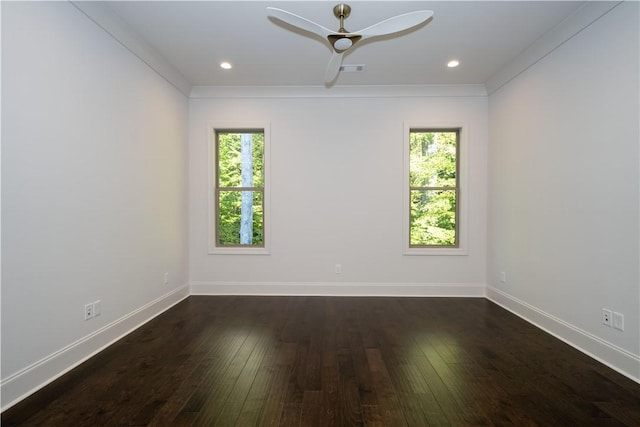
point(310, 213)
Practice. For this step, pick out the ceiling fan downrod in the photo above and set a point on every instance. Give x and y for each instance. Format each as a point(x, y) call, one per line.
point(342, 12)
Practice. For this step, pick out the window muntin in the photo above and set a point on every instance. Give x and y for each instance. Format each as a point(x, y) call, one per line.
point(433, 188)
point(239, 158)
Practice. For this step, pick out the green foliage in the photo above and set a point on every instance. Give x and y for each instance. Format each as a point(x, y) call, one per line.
point(433, 181)
point(433, 218)
point(230, 162)
point(229, 215)
point(432, 159)
point(229, 184)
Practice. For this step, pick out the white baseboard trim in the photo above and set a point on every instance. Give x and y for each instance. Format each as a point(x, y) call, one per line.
point(32, 378)
point(339, 289)
point(618, 359)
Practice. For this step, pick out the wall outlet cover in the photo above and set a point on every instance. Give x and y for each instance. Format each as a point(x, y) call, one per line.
point(618, 321)
point(88, 311)
point(606, 317)
point(97, 308)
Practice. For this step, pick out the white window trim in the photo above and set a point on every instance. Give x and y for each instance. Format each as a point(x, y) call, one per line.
point(212, 211)
point(462, 190)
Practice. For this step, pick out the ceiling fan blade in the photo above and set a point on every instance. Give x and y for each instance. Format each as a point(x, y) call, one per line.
point(333, 68)
point(395, 24)
point(298, 21)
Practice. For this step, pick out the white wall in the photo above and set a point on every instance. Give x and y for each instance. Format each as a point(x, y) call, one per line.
point(94, 186)
point(94, 192)
point(564, 184)
point(336, 188)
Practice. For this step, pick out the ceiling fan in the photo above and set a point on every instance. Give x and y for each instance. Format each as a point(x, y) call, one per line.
point(342, 40)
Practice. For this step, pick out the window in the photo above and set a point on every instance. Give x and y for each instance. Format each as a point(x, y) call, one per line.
point(432, 180)
point(239, 190)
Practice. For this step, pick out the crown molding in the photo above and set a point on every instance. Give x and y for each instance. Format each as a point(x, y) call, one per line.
point(110, 22)
point(587, 14)
point(355, 91)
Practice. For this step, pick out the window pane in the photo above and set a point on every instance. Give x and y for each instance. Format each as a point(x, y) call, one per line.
point(240, 159)
point(432, 161)
point(240, 216)
point(433, 218)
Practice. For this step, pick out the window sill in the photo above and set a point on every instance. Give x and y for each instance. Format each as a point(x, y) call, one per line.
point(239, 251)
point(435, 251)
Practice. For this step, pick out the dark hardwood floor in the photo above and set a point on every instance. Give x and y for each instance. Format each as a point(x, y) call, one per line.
point(329, 361)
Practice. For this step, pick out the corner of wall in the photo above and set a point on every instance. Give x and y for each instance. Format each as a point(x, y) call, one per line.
point(32, 378)
point(616, 358)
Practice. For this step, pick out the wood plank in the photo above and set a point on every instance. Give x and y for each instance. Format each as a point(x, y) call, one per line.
point(388, 401)
point(329, 361)
point(258, 391)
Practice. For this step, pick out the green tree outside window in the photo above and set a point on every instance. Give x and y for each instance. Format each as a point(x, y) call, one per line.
point(239, 188)
point(433, 187)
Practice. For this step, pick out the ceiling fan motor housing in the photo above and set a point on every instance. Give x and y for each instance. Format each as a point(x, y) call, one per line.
point(342, 11)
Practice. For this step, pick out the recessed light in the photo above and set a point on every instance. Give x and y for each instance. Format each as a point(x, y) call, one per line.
point(453, 63)
point(225, 65)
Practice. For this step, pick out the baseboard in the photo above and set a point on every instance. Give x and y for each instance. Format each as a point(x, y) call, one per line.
point(32, 378)
point(618, 359)
point(339, 289)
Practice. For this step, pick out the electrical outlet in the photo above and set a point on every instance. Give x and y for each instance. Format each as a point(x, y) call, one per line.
point(618, 321)
point(338, 269)
point(88, 311)
point(606, 317)
point(166, 278)
point(97, 308)
point(503, 277)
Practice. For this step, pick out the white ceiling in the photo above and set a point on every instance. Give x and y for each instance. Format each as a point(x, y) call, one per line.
point(196, 36)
